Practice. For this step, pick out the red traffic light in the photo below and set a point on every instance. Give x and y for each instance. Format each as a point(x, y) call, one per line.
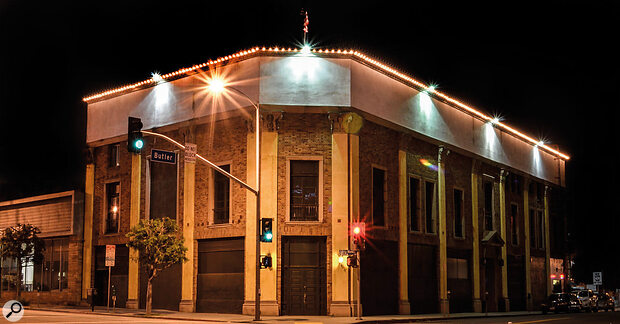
point(358, 234)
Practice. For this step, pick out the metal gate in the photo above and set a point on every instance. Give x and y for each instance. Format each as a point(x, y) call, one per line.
point(220, 276)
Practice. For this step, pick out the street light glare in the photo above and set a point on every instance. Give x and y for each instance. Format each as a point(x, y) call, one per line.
point(216, 85)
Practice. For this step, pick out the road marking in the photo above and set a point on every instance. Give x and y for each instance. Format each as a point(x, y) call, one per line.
point(543, 320)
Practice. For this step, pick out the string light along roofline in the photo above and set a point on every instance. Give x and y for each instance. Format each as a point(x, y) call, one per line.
point(358, 56)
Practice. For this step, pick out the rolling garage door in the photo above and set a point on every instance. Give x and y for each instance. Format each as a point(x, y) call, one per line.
point(220, 276)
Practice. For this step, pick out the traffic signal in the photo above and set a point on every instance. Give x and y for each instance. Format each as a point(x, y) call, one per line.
point(266, 233)
point(352, 261)
point(265, 261)
point(134, 135)
point(358, 235)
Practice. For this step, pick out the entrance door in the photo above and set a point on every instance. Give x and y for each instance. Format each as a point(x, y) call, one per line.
point(489, 284)
point(304, 276)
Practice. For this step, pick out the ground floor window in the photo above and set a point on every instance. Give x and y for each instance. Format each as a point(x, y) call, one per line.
point(51, 273)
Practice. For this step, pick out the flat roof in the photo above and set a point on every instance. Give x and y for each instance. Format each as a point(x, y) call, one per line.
point(339, 53)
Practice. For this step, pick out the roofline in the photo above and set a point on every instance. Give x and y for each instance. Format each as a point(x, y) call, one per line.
point(356, 55)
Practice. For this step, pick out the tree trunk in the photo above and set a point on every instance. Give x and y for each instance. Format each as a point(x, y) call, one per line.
point(149, 295)
point(18, 284)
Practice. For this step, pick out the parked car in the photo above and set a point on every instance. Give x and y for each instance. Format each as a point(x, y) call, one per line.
point(588, 299)
point(561, 302)
point(604, 302)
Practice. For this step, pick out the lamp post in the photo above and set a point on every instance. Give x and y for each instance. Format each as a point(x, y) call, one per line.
point(217, 86)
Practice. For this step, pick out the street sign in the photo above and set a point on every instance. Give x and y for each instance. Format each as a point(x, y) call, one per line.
point(110, 255)
point(597, 278)
point(190, 152)
point(163, 156)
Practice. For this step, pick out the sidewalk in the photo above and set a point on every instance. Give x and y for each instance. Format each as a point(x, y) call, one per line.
point(236, 318)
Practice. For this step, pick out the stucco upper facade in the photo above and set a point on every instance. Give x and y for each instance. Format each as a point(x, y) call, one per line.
point(292, 81)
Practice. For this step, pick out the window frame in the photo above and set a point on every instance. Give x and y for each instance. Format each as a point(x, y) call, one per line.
point(114, 150)
point(462, 213)
point(211, 196)
point(105, 207)
point(320, 189)
point(418, 205)
point(372, 194)
point(490, 181)
point(434, 207)
point(514, 225)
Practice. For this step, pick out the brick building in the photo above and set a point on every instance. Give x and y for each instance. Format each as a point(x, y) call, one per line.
point(58, 278)
point(462, 212)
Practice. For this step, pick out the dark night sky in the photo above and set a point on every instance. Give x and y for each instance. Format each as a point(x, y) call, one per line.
point(548, 67)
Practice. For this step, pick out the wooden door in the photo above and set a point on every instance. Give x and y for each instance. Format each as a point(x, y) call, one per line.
point(304, 276)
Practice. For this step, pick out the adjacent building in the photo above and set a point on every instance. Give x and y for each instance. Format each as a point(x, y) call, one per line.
point(57, 279)
point(463, 213)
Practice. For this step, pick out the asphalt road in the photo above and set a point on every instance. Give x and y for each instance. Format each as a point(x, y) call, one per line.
point(42, 317)
point(596, 318)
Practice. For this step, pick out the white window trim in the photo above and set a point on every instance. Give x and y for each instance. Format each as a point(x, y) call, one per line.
point(211, 197)
point(288, 187)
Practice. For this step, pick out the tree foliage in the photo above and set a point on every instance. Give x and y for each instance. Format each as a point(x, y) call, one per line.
point(160, 246)
point(21, 242)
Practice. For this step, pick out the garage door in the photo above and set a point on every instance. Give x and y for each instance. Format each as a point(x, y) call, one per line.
point(220, 276)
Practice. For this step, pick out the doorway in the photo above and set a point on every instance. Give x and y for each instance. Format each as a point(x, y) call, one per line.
point(304, 276)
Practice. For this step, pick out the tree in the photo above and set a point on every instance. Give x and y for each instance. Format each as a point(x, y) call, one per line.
point(21, 242)
point(160, 247)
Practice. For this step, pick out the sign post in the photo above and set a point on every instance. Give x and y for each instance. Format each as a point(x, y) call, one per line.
point(110, 253)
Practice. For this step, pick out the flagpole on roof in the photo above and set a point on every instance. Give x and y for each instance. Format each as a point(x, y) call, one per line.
point(306, 23)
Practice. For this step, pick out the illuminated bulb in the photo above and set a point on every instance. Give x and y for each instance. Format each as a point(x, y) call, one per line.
point(305, 49)
point(356, 230)
point(495, 120)
point(340, 259)
point(216, 86)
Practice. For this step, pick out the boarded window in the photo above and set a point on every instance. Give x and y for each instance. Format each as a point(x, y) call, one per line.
point(221, 197)
point(304, 194)
point(378, 197)
point(113, 207)
point(414, 203)
point(163, 196)
point(459, 228)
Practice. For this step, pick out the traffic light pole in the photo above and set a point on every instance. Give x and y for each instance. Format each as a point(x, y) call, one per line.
point(359, 282)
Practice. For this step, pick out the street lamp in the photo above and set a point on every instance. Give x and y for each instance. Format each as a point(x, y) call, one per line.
point(216, 86)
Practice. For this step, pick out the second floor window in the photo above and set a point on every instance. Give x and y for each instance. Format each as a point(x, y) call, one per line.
point(378, 197)
point(414, 203)
point(304, 190)
point(513, 224)
point(459, 226)
point(221, 197)
point(488, 206)
point(113, 207)
point(429, 206)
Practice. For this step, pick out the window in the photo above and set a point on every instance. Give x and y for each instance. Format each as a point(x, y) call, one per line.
point(221, 196)
point(52, 272)
point(457, 269)
point(378, 197)
point(488, 206)
point(541, 229)
point(9, 273)
point(429, 206)
point(459, 228)
point(114, 158)
point(414, 204)
point(163, 189)
point(533, 226)
point(113, 207)
point(514, 237)
point(304, 190)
